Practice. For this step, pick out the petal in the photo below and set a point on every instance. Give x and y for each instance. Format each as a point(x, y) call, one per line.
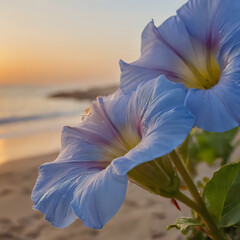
point(120, 109)
point(164, 133)
point(116, 110)
point(65, 190)
point(190, 50)
point(158, 107)
point(151, 98)
point(99, 198)
point(155, 54)
point(210, 19)
point(158, 56)
point(177, 38)
point(78, 146)
point(132, 75)
point(209, 110)
point(95, 128)
point(228, 89)
point(87, 140)
point(54, 190)
point(197, 16)
point(229, 48)
point(156, 97)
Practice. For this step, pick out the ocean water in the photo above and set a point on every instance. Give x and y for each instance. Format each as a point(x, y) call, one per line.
point(31, 122)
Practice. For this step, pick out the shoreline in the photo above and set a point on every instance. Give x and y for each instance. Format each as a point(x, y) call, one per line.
point(89, 94)
point(29, 159)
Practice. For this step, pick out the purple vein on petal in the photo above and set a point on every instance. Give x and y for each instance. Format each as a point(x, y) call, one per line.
point(227, 108)
point(95, 138)
point(193, 69)
point(115, 131)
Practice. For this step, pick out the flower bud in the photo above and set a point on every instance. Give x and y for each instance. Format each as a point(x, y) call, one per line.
point(157, 176)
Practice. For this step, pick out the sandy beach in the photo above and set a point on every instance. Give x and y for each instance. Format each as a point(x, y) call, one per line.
point(143, 216)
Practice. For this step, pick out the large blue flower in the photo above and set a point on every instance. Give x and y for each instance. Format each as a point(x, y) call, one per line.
point(200, 47)
point(89, 178)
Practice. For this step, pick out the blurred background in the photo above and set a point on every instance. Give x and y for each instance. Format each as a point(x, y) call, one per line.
point(58, 45)
point(56, 55)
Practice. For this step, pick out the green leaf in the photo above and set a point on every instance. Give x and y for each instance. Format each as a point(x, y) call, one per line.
point(222, 195)
point(209, 146)
point(184, 224)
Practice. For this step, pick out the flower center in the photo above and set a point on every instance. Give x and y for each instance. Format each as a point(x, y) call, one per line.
point(201, 69)
point(207, 74)
point(125, 140)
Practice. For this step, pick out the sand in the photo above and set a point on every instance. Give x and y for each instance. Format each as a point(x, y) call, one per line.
point(143, 216)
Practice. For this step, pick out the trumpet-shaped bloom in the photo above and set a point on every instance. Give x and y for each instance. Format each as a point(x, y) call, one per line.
point(88, 180)
point(200, 47)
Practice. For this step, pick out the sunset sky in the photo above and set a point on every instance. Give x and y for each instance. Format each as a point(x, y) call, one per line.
point(61, 41)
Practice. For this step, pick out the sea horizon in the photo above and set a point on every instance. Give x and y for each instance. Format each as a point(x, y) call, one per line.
point(31, 121)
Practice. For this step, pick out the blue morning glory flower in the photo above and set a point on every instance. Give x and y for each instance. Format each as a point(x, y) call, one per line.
point(199, 47)
point(88, 180)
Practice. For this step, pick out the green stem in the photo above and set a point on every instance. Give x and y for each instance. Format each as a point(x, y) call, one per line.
point(185, 175)
point(187, 201)
point(201, 209)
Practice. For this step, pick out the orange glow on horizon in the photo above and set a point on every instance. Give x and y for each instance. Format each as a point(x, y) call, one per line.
point(61, 41)
point(68, 64)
